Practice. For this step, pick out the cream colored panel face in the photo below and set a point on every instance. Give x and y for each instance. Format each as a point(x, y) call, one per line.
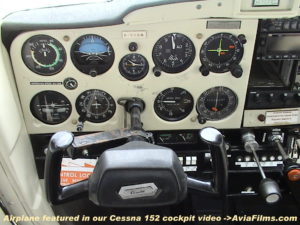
point(148, 88)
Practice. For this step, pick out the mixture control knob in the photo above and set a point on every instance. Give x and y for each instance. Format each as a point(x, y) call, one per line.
point(236, 71)
point(269, 190)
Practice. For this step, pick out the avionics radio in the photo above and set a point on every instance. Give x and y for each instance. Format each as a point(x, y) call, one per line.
point(275, 74)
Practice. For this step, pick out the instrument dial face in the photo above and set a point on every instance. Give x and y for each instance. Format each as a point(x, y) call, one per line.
point(44, 55)
point(217, 103)
point(173, 53)
point(220, 51)
point(50, 107)
point(92, 54)
point(133, 66)
point(97, 106)
point(173, 104)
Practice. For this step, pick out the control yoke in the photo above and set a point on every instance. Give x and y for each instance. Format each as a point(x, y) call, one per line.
point(136, 174)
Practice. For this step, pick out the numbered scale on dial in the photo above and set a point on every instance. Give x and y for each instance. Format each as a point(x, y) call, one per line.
point(221, 53)
point(50, 107)
point(173, 53)
point(95, 106)
point(216, 103)
point(134, 67)
point(173, 104)
point(44, 55)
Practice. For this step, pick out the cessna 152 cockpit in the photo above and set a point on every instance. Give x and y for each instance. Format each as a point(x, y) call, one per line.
point(151, 112)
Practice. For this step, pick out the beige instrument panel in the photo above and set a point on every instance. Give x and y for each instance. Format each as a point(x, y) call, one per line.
point(147, 88)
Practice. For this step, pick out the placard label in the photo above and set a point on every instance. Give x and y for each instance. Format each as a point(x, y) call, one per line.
point(282, 117)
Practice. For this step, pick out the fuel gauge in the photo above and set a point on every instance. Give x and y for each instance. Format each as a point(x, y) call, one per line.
point(50, 107)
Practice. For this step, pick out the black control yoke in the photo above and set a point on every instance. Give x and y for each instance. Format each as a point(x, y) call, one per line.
point(64, 142)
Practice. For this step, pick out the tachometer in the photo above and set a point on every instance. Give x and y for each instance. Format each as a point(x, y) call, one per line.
point(216, 103)
point(92, 54)
point(173, 53)
point(50, 107)
point(134, 66)
point(173, 104)
point(220, 52)
point(96, 106)
point(44, 55)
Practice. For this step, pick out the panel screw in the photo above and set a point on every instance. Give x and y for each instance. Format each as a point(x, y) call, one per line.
point(199, 35)
point(199, 6)
point(66, 38)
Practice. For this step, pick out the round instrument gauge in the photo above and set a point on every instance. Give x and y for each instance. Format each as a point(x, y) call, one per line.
point(173, 53)
point(216, 103)
point(220, 52)
point(97, 106)
point(44, 55)
point(92, 54)
point(50, 107)
point(173, 104)
point(134, 66)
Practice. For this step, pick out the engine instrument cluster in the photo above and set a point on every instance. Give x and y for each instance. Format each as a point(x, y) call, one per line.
point(183, 77)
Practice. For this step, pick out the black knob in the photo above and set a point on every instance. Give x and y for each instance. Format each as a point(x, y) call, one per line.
point(297, 96)
point(269, 190)
point(271, 97)
point(236, 71)
point(285, 96)
point(133, 46)
point(157, 71)
point(242, 39)
point(203, 70)
point(201, 120)
point(93, 72)
point(256, 97)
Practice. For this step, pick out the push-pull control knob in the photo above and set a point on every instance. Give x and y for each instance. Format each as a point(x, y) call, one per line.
point(268, 188)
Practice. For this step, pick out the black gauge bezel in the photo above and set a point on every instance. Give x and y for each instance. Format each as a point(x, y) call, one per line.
point(137, 76)
point(227, 65)
point(29, 62)
point(85, 94)
point(207, 114)
point(101, 69)
point(177, 118)
point(50, 92)
point(164, 67)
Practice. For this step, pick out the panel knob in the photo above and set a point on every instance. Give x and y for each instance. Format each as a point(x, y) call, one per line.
point(236, 71)
point(242, 39)
point(203, 70)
